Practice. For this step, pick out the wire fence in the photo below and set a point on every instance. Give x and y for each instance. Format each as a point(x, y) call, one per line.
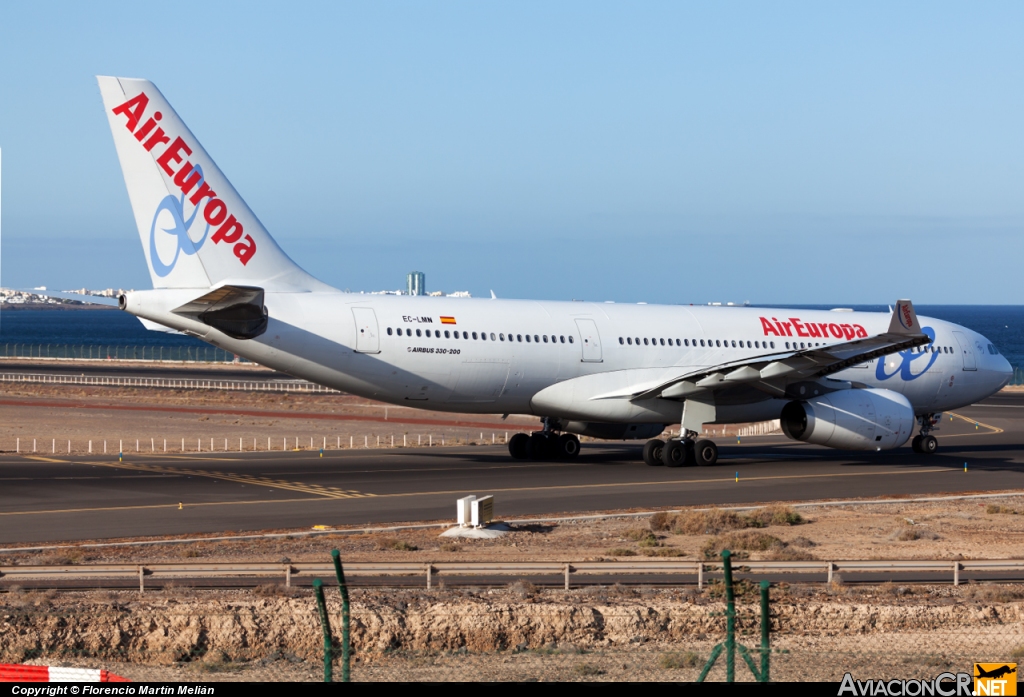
point(86, 352)
point(594, 633)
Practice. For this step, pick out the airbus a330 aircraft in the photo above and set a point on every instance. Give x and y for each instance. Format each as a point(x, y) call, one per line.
point(840, 379)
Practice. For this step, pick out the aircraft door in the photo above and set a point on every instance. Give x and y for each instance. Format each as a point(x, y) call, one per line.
point(367, 338)
point(970, 362)
point(590, 340)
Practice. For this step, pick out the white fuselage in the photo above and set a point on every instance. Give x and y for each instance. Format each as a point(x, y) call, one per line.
point(398, 349)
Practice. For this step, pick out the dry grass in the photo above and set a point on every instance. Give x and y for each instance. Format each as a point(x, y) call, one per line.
point(450, 547)
point(587, 670)
point(995, 508)
point(992, 593)
point(662, 552)
point(773, 515)
point(684, 659)
point(276, 590)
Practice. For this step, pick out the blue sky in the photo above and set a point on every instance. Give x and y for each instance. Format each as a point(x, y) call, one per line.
point(659, 152)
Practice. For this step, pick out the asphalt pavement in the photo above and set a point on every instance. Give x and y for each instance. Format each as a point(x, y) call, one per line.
point(46, 498)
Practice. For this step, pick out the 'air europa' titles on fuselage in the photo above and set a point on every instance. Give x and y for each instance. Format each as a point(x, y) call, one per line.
point(811, 330)
point(188, 176)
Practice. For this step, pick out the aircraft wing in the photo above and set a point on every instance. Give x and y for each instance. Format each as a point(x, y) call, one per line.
point(772, 372)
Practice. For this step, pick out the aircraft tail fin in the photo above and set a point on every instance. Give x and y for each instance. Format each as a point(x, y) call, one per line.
point(904, 319)
point(196, 230)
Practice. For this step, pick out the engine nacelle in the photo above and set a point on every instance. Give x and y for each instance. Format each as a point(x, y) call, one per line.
point(858, 419)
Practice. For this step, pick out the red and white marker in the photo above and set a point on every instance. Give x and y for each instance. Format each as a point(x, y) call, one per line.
point(18, 672)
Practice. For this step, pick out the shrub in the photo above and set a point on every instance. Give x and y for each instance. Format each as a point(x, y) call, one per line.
point(995, 508)
point(586, 669)
point(742, 541)
point(621, 552)
point(705, 522)
point(522, 588)
point(802, 542)
point(773, 515)
point(684, 659)
point(789, 554)
point(396, 545)
point(661, 521)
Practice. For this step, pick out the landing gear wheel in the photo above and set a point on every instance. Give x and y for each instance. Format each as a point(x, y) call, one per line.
point(916, 444)
point(538, 446)
point(705, 453)
point(652, 452)
point(517, 446)
point(928, 445)
point(568, 446)
point(676, 454)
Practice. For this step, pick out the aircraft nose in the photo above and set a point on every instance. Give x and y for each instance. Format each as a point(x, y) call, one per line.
point(1005, 370)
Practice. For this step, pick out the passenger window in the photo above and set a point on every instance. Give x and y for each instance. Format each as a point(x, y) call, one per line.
point(561, 339)
point(535, 339)
point(718, 343)
point(527, 338)
point(645, 341)
point(570, 339)
point(678, 342)
point(702, 342)
point(662, 341)
point(773, 344)
point(474, 335)
point(787, 344)
point(519, 337)
point(389, 331)
point(686, 342)
point(492, 336)
point(545, 338)
point(622, 341)
point(446, 334)
point(418, 333)
point(501, 337)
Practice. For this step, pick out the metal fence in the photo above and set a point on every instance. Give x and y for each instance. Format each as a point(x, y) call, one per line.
point(191, 354)
point(1018, 376)
point(172, 383)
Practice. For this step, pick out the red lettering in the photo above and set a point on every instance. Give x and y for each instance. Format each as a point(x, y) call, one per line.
point(216, 211)
point(798, 327)
point(203, 192)
point(767, 327)
point(158, 137)
point(148, 126)
point(789, 329)
point(173, 154)
point(133, 110)
point(824, 329)
point(836, 331)
point(230, 231)
point(778, 326)
point(245, 249)
point(187, 177)
point(812, 330)
point(861, 333)
point(847, 331)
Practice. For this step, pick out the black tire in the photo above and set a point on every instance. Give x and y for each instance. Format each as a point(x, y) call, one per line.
point(538, 447)
point(568, 446)
point(705, 453)
point(652, 452)
point(675, 454)
point(517, 446)
point(929, 444)
point(916, 444)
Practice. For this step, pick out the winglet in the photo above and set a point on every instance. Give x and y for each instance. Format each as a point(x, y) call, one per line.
point(904, 319)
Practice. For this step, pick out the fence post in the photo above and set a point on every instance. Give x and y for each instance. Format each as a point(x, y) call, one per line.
point(325, 625)
point(956, 573)
point(343, 588)
point(766, 649)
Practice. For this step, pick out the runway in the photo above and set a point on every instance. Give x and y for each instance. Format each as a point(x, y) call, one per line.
point(46, 498)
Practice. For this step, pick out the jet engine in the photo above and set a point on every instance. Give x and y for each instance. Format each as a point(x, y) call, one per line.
point(855, 419)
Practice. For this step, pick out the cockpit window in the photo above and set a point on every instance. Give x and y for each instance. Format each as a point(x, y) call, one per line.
point(992, 350)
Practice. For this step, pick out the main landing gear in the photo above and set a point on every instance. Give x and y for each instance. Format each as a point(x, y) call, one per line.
point(544, 445)
point(925, 443)
point(681, 452)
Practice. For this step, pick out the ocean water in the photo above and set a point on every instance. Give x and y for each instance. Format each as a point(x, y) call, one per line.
point(1002, 324)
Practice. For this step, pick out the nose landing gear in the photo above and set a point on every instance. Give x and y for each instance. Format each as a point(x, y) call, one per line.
point(925, 443)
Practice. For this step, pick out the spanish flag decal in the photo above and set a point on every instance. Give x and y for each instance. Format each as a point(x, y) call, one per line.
point(447, 320)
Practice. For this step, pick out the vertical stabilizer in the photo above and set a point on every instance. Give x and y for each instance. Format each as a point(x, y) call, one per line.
point(196, 230)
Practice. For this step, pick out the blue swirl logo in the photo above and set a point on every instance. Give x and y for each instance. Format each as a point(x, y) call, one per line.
point(179, 231)
point(905, 369)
